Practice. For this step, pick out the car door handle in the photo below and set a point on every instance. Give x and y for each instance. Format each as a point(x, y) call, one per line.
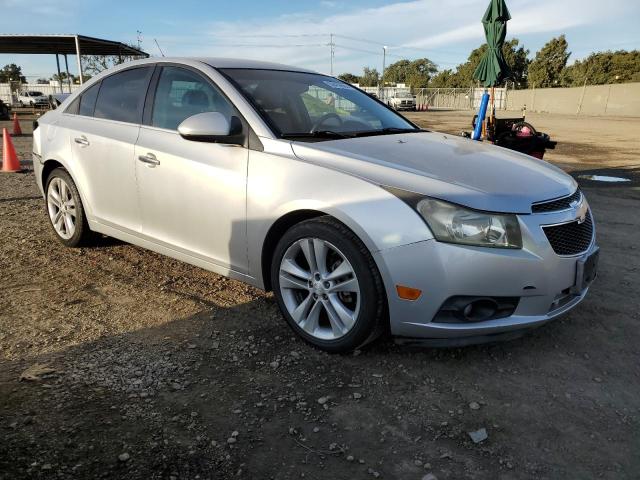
point(82, 141)
point(150, 159)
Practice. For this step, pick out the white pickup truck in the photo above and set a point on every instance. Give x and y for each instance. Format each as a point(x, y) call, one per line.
point(32, 98)
point(402, 101)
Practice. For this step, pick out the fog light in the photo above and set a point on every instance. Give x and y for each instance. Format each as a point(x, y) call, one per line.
point(464, 309)
point(408, 293)
point(480, 310)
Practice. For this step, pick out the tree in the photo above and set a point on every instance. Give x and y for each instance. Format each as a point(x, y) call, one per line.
point(416, 73)
point(63, 77)
point(547, 67)
point(42, 81)
point(370, 77)
point(443, 79)
point(397, 72)
point(422, 70)
point(349, 78)
point(94, 64)
point(604, 67)
point(12, 72)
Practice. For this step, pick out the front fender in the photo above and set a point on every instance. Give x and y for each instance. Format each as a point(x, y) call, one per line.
point(278, 185)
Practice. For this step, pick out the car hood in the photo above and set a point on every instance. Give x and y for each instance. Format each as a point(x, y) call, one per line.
point(456, 169)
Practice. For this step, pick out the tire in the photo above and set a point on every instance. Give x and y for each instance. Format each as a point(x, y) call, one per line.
point(320, 309)
point(71, 228)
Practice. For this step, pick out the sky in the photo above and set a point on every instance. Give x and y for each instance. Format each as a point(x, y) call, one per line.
point(298, 33)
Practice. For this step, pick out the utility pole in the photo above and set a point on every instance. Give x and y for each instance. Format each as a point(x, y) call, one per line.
point(333, 52)
point(384, 66)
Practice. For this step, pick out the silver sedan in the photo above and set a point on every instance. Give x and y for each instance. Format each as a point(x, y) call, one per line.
point(292, 181)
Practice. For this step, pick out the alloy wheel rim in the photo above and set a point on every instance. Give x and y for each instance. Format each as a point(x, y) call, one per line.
point(319, 288)
point(62, 208)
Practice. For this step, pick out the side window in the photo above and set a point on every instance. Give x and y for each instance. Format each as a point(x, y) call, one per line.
point(88, 101)
point(182, 93)
point(122, 95)
point(73, 107)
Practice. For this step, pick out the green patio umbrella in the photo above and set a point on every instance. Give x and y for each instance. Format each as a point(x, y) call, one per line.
point(492, 68)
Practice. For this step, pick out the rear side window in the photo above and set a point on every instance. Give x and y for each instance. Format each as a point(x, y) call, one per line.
point(88, 101)
point(73, 107)
point(122, 96)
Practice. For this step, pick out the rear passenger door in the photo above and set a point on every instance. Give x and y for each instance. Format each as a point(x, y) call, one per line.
point(103, 136)
point(192, 194)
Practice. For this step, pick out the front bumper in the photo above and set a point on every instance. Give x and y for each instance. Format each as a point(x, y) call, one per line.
point(544, 282)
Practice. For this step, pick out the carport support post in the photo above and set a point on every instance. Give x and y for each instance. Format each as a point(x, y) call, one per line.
point(59, 74)
point(66, 65)
point(79, 60)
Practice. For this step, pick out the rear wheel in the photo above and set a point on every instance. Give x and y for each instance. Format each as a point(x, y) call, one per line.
point(328, 286)
point(65, 209)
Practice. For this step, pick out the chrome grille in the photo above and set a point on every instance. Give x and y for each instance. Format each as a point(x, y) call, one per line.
point(557, 204)
point(571, 238)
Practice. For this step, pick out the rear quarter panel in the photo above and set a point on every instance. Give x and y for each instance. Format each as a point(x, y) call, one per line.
point(52, 139)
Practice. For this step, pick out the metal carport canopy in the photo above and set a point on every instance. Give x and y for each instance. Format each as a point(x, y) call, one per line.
point(61, 44)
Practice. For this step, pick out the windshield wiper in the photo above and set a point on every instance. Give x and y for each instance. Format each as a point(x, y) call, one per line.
point(387, 131)
point(317, 134)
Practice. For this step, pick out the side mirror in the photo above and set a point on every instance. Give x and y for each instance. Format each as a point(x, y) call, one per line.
point(212, 127)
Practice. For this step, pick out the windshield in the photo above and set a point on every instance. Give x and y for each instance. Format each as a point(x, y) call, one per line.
point(310, 105)
point(35, 94)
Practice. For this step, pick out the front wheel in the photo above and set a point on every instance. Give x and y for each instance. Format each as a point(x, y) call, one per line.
point(328, 286)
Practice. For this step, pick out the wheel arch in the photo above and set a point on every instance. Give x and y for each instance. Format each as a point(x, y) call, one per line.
point(277, 229)
point(289, 219)
point(49, 166)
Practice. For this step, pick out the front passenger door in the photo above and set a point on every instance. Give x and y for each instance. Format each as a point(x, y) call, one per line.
point(192, 194)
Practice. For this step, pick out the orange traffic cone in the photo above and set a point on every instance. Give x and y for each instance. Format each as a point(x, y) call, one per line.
point(16, 125)
point(10, 162)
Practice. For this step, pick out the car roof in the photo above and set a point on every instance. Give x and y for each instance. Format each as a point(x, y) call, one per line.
point(218, 62)
point(250, 64)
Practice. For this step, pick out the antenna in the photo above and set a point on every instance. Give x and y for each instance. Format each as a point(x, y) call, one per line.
point(158, 45)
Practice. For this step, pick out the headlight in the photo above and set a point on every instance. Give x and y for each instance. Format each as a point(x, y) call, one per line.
point(455, 224)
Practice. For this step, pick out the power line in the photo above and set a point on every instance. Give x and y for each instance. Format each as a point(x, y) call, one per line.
point(398, 47)
point(401, 57)
point(281, 35)
point(254, 45)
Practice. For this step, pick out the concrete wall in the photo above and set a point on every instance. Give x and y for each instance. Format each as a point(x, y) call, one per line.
point(616, 100)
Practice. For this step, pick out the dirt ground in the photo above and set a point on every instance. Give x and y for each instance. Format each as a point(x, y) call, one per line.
point(143, 367)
